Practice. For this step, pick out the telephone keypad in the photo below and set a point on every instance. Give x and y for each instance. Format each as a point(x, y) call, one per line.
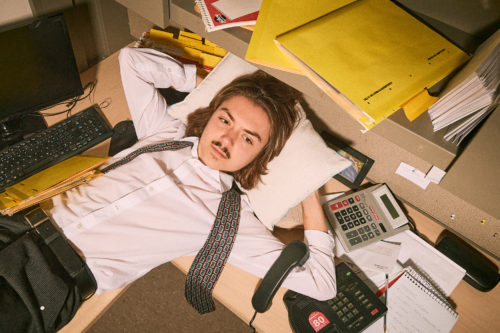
point(353, 303)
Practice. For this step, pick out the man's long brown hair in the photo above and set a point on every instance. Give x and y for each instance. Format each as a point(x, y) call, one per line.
point(275, 98)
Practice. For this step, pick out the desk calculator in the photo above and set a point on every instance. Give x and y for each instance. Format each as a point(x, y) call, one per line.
point(353, 310)
point(366, 216)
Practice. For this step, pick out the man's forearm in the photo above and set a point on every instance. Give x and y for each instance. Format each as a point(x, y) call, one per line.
point(312, 213)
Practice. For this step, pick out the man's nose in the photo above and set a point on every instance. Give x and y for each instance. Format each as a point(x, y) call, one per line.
point(228, 138)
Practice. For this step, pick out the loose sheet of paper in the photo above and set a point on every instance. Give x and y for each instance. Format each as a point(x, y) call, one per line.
point(445, 273)
point(380, 256)
point(412, 174)
point(418, 177)
point(435, 174)
point(441, 270)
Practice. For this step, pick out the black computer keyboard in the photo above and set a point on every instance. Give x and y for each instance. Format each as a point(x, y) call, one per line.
point(52, 145)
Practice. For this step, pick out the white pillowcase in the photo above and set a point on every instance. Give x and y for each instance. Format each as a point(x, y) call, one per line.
point(305, 163)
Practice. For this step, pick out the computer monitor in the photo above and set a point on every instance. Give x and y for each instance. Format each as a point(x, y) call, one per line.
point(37, 70)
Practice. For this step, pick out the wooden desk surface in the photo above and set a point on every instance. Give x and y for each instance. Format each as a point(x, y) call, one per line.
point(478, 311)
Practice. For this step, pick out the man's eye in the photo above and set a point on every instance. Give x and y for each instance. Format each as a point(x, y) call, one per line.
point(223, 120)
point(248, 140)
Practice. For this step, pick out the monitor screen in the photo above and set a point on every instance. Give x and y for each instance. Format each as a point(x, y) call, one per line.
point(37, 67)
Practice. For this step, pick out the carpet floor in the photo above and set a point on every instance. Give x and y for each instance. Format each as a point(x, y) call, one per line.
point(156, 303)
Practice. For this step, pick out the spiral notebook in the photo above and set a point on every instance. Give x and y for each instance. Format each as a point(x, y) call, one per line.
point(415, 305)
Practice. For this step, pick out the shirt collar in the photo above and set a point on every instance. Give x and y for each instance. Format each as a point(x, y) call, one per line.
point(225, 180)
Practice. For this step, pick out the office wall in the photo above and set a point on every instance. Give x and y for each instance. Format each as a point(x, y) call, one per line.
point(14, 10)
point(97, 28)
point(467, 23)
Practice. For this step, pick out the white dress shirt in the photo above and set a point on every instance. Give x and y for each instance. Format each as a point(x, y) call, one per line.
point(161, 205)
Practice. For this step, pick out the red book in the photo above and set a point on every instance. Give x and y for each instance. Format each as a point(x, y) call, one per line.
point(214, 19)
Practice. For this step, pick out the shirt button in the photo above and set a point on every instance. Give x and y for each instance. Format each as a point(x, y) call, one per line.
point(79, 226)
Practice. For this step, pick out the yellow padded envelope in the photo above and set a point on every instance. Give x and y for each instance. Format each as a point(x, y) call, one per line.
point(375, 54)
point(278, 16)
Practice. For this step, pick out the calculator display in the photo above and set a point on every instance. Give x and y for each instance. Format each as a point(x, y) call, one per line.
point(389, 206)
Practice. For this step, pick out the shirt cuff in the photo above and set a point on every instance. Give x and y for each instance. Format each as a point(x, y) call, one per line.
point(190, 72)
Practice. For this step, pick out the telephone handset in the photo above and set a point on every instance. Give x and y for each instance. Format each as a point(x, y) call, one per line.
point(294, 254)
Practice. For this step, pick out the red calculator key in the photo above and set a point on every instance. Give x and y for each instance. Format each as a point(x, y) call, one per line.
point(357, 198)
point(345, 203)
point(336, 205)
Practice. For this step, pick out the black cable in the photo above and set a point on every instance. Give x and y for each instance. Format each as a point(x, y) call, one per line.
point(251, 321)
point(412, 225)
point(90, 86)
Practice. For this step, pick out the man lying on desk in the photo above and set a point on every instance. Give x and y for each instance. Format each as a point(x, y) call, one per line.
point(154, 205)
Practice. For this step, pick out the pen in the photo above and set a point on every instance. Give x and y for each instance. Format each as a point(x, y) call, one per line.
point(381, 291)
point(385, 299)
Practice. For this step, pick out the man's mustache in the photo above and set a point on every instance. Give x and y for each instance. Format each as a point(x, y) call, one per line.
point(224, 149)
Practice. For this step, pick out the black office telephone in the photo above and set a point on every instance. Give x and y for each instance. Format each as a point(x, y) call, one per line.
point(353, 309)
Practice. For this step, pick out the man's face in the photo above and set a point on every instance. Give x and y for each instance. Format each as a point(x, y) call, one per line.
point(235, 134)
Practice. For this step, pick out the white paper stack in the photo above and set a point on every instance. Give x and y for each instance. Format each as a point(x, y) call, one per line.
point(471, 95)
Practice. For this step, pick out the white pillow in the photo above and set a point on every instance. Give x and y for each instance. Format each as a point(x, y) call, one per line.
point(305, 163)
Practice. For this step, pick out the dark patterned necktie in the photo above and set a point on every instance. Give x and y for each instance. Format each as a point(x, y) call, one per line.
point(212, 257)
